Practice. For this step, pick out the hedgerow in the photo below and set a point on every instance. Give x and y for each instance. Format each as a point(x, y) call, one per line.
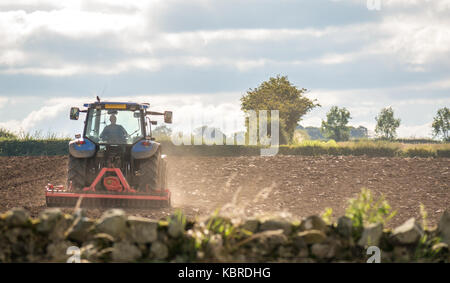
point(21, 147)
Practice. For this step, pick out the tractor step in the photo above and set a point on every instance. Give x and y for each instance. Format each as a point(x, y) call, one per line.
point(59, 197)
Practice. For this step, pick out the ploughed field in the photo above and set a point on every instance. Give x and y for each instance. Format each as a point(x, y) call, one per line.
point(248, 185)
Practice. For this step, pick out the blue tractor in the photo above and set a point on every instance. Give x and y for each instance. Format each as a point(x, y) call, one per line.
point(116, 162)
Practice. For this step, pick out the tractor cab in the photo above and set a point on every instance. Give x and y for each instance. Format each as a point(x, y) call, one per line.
point(105, 126)
point(117, 122)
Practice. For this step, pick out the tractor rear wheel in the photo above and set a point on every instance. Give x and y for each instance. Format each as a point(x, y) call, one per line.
point(164, 184)
point(163, 174)
point(149, 170)
point(76, 173)
point(91, 171)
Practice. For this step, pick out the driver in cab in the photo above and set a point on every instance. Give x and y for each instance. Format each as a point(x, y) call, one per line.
point(114, 133)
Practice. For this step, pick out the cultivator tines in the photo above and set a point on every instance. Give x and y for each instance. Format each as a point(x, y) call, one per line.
point(56, 196)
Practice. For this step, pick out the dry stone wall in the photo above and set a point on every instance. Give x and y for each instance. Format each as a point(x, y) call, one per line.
point(116, 237)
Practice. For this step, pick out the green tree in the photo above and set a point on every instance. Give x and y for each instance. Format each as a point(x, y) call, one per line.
point(4, 133)
point(314, 133)
point(358, 133)
point(441, 124)
point(386, 124)
point(336, 125)
point(162, 132)
point(279, 94)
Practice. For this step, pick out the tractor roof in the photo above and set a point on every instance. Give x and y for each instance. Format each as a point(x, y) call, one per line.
point(118, 105)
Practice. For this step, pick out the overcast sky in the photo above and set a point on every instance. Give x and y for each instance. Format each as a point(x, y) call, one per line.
point(199, 57)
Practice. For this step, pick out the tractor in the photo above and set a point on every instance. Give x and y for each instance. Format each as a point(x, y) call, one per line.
point(116, 162)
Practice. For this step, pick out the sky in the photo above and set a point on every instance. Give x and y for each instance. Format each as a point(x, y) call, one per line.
point(198, 57)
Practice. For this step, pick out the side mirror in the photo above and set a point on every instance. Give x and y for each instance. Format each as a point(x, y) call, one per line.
point(74, 113)
point(168, 117)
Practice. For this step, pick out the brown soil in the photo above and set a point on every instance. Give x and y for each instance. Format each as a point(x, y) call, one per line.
point(293, 185)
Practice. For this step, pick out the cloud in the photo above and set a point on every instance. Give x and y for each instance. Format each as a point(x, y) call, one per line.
point(365, 104)
point(416, 131)
point(190, 111)
point(95, 37)
point(43, 115)
point(3, 101)
point(211, 52)
point(178, 15)
point(193, 110)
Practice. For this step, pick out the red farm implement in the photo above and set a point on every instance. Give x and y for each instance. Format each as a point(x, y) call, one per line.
point(119, 194)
